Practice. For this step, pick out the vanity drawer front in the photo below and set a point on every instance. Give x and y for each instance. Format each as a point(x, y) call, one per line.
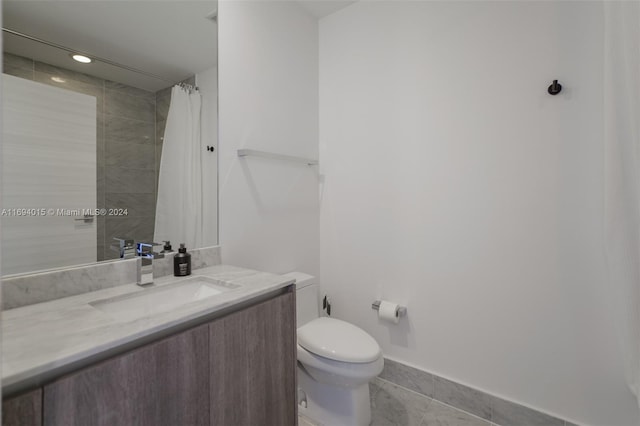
point(23, 410)
point(164, 383)
point(253, 365)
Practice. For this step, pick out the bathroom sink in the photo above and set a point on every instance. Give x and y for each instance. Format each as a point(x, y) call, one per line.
point(156, 300)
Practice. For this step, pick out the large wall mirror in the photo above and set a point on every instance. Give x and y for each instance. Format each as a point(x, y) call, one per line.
point(121, 147)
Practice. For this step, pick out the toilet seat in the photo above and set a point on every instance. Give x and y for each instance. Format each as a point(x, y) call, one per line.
point(338, 340)
point(345, 374)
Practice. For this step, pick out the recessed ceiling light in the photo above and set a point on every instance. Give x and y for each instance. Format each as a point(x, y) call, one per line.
point(81, 58)
point(58, 80)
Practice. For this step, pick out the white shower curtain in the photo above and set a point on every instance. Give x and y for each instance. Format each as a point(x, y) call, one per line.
point(622, 176)
point(179, 205)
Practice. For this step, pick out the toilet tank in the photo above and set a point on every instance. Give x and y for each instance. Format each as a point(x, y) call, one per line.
point(307, 302)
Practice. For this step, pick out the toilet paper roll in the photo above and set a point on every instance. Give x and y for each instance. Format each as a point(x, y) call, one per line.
point(388, 311)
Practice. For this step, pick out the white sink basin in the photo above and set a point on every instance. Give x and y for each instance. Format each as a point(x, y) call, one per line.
point(161, 299)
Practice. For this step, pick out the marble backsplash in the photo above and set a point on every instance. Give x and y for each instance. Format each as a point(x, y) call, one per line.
point(29, 289)
point(200, 258)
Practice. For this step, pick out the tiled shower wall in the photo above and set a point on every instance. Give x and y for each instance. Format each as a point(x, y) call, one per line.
point(130, 125)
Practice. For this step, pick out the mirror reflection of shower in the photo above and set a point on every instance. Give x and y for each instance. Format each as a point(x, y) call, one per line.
point(106, 154)
point(185, 160)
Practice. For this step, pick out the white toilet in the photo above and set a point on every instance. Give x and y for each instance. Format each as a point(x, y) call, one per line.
point(336, 361)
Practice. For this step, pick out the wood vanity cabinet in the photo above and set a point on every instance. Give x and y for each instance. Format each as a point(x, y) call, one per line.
point(159, 384)
point(237, 370)
point(253, 366)
point(23, 410)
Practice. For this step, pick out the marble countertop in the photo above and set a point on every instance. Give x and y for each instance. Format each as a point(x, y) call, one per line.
point(46, 337)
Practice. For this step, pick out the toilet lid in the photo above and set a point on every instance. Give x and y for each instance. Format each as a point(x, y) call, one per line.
point(338, 340)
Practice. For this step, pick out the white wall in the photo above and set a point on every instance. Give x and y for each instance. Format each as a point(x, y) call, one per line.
point(457, 186)
point(268, 65)
point(207, 82)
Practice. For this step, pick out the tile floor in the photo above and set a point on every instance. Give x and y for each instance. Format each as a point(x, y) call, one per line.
point(392, 405)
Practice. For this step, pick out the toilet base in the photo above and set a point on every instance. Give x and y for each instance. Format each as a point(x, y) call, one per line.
point(334, 405)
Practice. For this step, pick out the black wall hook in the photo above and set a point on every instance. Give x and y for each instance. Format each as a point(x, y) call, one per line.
point(555, 88)
point(210, 148)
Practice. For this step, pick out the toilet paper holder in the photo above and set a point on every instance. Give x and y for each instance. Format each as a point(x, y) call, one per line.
point(402, 310)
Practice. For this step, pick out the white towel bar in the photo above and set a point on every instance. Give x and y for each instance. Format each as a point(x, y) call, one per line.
point(265, 154)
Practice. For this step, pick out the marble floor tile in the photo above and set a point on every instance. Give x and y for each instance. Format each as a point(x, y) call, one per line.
point(374, 387)
point(395, 406)
point(439, 414)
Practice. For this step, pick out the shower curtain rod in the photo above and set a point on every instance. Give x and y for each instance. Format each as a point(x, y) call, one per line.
point(188, 86)
point(68, 49)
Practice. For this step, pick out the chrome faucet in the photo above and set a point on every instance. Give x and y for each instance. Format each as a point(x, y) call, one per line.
point(125, 248)
point(146, 254)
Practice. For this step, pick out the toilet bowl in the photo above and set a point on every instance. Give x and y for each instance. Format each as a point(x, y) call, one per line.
point(336, 361)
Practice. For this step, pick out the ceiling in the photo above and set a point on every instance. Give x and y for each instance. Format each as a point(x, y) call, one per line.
point(322, 8)
point(173, 39)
